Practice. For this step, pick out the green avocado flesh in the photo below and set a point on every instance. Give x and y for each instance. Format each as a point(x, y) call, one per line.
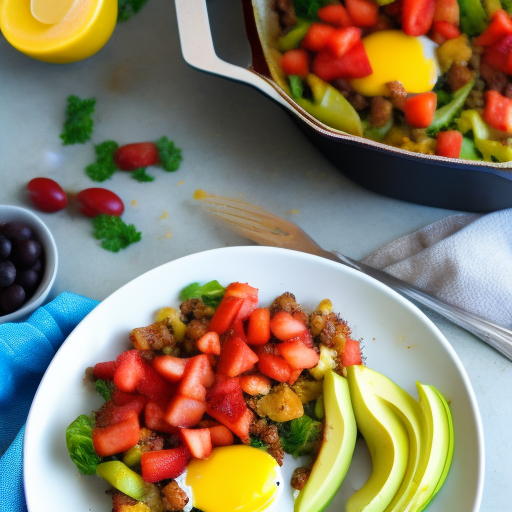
point(410, 442)
point(337, 448)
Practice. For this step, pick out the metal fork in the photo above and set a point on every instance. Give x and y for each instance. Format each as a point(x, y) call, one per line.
point(265, 228)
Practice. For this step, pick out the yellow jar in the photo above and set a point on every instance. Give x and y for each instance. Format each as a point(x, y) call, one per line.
point(75, 34)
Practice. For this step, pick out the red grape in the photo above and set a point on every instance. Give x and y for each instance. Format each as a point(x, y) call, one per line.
point(96, 201)
point(47, 195)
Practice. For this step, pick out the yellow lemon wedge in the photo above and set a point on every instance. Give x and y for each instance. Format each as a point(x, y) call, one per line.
point(58, 31)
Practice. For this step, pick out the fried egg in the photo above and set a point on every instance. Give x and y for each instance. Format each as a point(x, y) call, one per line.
point(394, 55)
point(236, 478)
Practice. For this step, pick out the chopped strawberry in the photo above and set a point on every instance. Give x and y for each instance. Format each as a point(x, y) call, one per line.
point(235, 357)
point(354, 64)
point(420, 109)
point(209, 343)
point(120, 398)
point(500, 26)
point(198, 441)
point(258, 327)
point(298, 355)
point(105, 370)
point(164, 464)
point(246, 292)
point(154, 419)
point(118, 437)
point(184, 412)
point(499, 54)
point(306, 338)
point(296, 62)
point(255, 384)
point(443, 31)
point(153, 385)
point(170, 367)
point(221, 435)
point(449, 143)
point(274, 367)
point(284, 326)
point(317, 36)
point(198, 376)
point(364, 13)
point(225, 313)
point(294, 375)
point(447, 10)
point(351, 354)
point(129, 370)
point(335, 14)
point(112, 413)
point(498, 111)
point(417, 16)
point(134, 156)
point(343, 39)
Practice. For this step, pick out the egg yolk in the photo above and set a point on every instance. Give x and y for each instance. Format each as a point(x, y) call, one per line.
point(394, 55)
point(235, 478)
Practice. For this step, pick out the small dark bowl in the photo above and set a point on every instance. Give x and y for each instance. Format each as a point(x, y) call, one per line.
point(423, 179)
point(15, 213)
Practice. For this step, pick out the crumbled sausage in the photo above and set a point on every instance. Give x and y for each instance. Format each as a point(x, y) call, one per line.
point(196, 308)
point(494, 79)
point(458, 76)
point(300, 477)
point(153, 337)
point(397, 94)
point(196, 328)
point(120, 501)
point(150, 441)
point(174, 497)
point(334, 331)
point(381, 111)
point(269, 435)
point(358, 101)
point(286, 13)
point(286, 302)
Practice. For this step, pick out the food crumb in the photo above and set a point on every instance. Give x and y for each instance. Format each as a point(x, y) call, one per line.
point(200, 194)
point(180, 183)
point(134, 202)
point(164, 215)
point(294, 211)
point(401, 338)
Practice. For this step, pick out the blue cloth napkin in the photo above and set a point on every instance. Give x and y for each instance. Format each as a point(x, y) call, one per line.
point(26, 350)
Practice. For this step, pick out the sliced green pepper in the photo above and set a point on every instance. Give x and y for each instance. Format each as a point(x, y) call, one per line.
point(292, 39)
point(330, 107)
point(121, 477)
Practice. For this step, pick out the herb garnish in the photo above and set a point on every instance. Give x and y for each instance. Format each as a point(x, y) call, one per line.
point(79, 124)
point(114, 233)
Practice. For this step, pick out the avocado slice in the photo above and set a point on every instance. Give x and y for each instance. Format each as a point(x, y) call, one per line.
point(335, 455)
point(382, 427)
point(124, 479)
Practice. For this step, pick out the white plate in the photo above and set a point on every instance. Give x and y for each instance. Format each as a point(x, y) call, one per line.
point(399, 341)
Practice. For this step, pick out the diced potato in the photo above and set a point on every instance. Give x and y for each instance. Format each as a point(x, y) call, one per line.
point(281, 404)
point(327, 362)
point(452, 51)
point(307, 389)
point(172, 318)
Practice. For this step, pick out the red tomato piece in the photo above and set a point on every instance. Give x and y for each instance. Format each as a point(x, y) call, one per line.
point(255, 384)
point(184, 412)
point(170, 367)
point(449, 144)
point(47, 195)
point(351, 354)
point(235, 357)
point(284, 326)
point(317, 36)
point(209, 343)
point(118, 437)
point(343, 39)
point(198, 376)
point(154, 419)
point(134, 156)
point(294, 375)
point(295, 62)
point(420, 109)
point(447, 10)
point(129, 370)
point(500, 26)
point(225, 314)
point(97, 200)
point(198, 441)
point(499, 54)
point(105, 370)
point(153, 385)
point(221, 435)
point(363, 13)
point(443, 31)
point(258, 327)
point(354, 64)
point(163, 464)
point(335, 14)
point(298, 355)
point(417, 16)
point(274, 367)
point(498, 111)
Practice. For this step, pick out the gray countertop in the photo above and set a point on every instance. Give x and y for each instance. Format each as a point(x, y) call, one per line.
point(235, 143)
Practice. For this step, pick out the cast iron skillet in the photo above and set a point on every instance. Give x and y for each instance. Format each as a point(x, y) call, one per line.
point(424, 179)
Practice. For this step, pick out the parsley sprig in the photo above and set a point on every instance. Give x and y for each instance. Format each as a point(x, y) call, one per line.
point(78, 124)
point(104, 167)
point(114, 233)
point(127, 8)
